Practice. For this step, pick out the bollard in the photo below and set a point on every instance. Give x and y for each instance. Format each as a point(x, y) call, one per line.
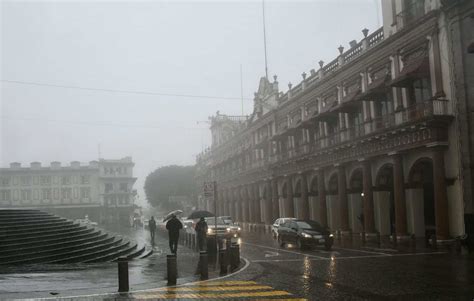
point(223, 261)
point(123, 275)
point(233, 257)
point(171, 269)
point(203, 265)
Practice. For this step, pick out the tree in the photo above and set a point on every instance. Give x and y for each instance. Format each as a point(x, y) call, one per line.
point(169, 181)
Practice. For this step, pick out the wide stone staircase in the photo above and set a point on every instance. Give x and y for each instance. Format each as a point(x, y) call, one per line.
point(36, 237)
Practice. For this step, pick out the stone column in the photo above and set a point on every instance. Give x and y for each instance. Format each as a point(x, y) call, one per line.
point(304, 210)
point(289, 203)
point(323, 218)
point(256, 200)
point(369, 224)
point(435, 65)
point(250, 204)
point(342, 196)
point(440, 195)
point(399, 196)
point(243, 204)
point(275, 199)
point(268, 204)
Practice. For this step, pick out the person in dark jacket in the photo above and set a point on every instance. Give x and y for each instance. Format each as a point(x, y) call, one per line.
point(152, 228)
point(173, 226)
point(201, 231)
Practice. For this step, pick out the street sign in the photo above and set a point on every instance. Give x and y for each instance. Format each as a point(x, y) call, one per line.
point(208, 189)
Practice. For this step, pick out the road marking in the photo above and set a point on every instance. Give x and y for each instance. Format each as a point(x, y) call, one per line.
point(350, 257)
point(231, 282)
point(282, 250)
point(271, 254)
point(362, 251)
point(215, 288)
point(213, 296)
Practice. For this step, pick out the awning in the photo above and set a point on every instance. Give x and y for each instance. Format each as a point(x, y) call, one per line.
point(415, 68)
point(349, 103)
point(375, 91)
point(326, 113)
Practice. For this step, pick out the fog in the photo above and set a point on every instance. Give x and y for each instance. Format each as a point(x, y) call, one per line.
point(85, 79)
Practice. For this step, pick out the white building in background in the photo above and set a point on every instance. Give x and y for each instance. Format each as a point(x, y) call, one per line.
point(101, 189)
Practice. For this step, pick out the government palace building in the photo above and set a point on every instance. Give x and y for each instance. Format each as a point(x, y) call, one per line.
point(377, 141)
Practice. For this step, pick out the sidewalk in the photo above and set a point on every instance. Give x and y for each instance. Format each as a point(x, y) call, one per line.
point(50, 281)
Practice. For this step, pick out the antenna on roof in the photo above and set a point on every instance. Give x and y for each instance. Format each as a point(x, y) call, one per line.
point(241, 90)
point(264, 39)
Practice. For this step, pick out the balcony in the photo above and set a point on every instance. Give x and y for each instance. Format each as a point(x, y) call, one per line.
point(431, 110)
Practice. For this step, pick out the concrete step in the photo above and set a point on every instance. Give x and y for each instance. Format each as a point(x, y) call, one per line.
point(65, 255)
point(21, 218)
point(43, 236)
point(112, 256)
point(34, 226)
point(55, 251)
point(53, 239)
point(27, 221)
point(73, 242)
point(86, 256)
point(50, 230)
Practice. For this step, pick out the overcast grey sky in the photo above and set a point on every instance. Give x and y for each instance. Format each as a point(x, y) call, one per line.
point(167, 47)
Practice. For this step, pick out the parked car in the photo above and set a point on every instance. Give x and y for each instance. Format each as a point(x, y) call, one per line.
point(277, 224)
point(304, 233)
point(234, 227)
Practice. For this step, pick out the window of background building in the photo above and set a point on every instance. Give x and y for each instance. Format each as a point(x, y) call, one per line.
point(35, 180)
point(75, 193)
point(66, 180)
point(5, 195)
point(15, 180)
point(85, 180)
point(85, 192)
point(4, 181)
point(26, 194)
point(123, 187)
point(25, 180)
point(46, 193)
point(109, 187)
point(36, 194)
point(56, 193)
point(66, 193)
point(45, 180)
point(55, 179)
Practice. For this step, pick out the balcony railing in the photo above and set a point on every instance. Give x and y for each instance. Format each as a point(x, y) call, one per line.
point(415, 113)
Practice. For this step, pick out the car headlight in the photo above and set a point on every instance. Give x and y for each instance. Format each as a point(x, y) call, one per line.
point(238, 229)
point(306, 235)
point(209, 231)
point(228, 229)
point(331, 235)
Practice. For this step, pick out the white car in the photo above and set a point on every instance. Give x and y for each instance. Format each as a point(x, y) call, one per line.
point(277, 224)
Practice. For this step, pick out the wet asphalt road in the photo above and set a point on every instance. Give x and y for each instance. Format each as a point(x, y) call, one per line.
point(358, 273)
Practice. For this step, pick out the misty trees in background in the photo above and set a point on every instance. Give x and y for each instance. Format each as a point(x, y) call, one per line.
point(166, 183)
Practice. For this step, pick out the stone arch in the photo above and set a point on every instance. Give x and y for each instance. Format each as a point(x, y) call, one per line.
point(420, 197)
point(297, 187)
point(356, 181)
point(313, 186)
point(384, 203)
point(332, 186)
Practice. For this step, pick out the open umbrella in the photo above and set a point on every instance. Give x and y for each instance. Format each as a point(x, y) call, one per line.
point(171, 214)
point(200, 213)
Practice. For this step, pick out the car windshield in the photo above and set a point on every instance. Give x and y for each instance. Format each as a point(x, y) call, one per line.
point(309, 225)
point(211, 221)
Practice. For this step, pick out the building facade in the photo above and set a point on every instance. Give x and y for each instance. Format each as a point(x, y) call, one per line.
point(370, 142)
point(102, 189)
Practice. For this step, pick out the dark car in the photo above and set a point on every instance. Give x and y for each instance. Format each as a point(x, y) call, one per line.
point(304, 233)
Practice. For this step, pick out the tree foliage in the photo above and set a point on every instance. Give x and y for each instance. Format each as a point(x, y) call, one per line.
point(169, 181)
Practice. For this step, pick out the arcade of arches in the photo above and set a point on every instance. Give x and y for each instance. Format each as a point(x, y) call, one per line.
point(387, 195)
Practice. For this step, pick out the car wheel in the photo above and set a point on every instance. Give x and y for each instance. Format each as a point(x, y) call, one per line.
point(274, 235)
point(280, 242)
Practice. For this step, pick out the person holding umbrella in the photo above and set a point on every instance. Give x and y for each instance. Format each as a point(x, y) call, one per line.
point(173, 226)
point(201, 231)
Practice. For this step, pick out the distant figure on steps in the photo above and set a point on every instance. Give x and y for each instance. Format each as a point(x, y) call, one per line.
point(152, 228)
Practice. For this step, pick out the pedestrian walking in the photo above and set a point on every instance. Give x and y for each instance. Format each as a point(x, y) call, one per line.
point(152, 228)
point(201, 232)
point(173, 226)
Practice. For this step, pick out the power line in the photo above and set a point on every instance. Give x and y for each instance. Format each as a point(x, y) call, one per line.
point(93, 123)
point(118, 91)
